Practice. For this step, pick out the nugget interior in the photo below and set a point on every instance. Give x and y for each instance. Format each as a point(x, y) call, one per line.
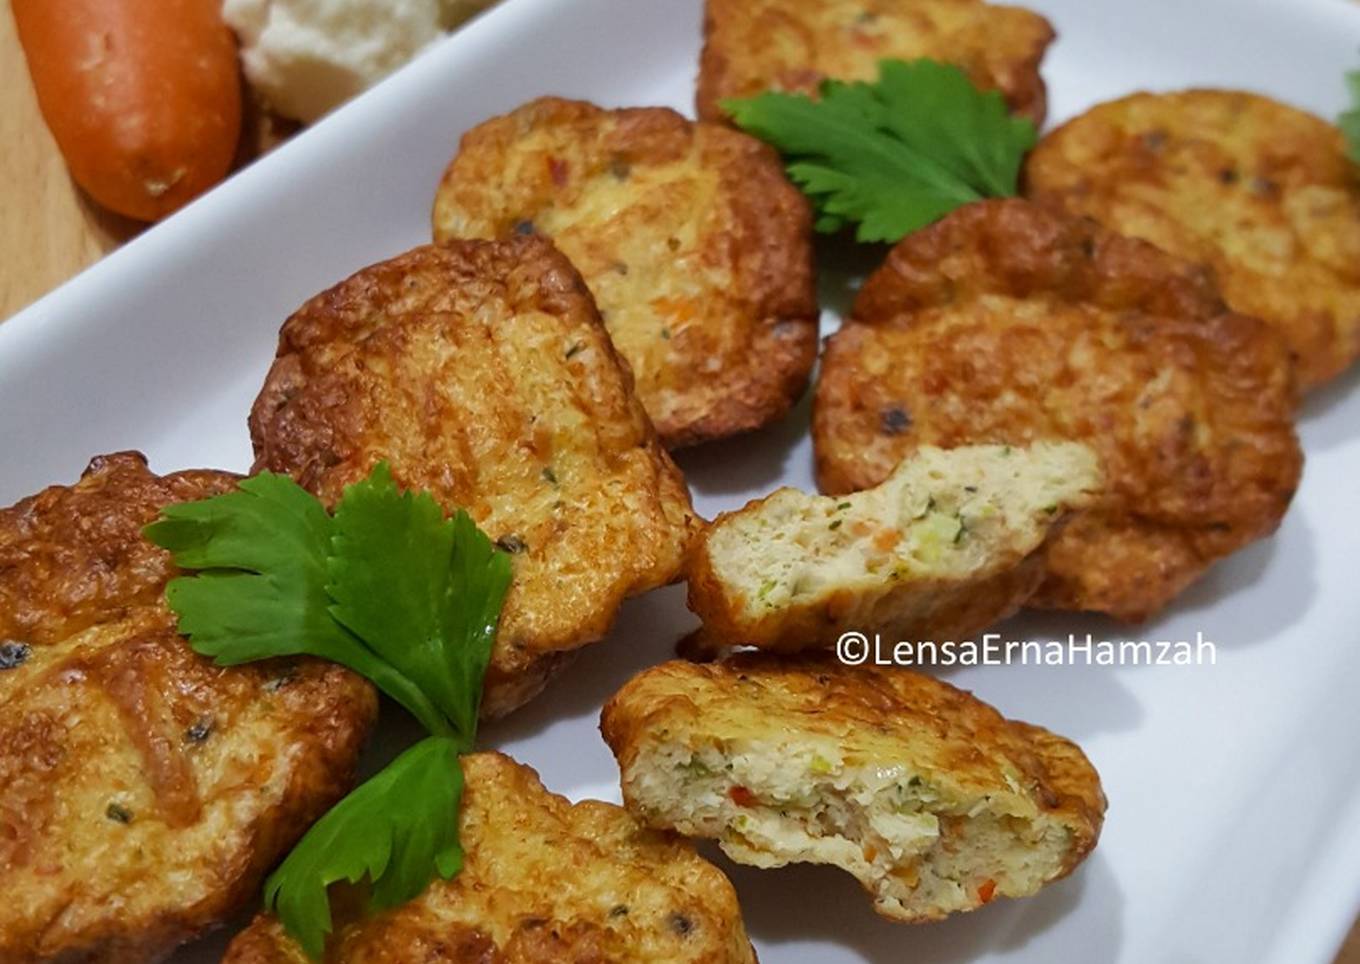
point(1007, 323)
point(930, 798)
point(911, 556)
point(880, 822)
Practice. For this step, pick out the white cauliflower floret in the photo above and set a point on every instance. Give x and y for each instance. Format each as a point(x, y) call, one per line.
point(306, 57)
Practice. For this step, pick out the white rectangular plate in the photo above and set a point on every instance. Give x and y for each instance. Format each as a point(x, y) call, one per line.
point(1234, 824)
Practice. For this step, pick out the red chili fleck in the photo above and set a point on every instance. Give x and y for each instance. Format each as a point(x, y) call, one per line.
point(558, 169)
point(987, 891)
point(742, 797)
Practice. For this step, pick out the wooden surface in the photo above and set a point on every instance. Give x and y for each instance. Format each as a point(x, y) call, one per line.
point(49, 231)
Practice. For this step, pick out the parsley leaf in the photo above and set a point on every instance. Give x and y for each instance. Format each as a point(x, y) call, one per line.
point(895, 155)
point(1350, 120)
point(387, 587)
point(423, 592)
point(385, 831)
point(264, 551)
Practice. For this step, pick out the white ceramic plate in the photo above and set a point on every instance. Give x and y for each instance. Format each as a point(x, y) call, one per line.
point(1234, 823)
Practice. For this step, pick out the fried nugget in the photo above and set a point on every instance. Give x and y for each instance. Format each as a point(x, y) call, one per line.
point(949, 544)
point(928, 796)
point(1262, 193)
point(481, 371)
point(751, 46)
point(1006, 323)
point(144, 791)
point(696, 247)
point(544, 880)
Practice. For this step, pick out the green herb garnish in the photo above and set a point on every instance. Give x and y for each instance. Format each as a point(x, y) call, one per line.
point(396, 829)
point(388, 587)
point(1350, 120)
point(895, 155)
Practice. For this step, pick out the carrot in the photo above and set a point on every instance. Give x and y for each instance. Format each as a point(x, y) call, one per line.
point(742, 797)
point(142, 96)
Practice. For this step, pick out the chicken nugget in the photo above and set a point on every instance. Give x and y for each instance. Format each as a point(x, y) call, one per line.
point(932, 799)
point(751, 46)
point(543, 881)
point(1261, 192)
point(481, 372)
point(697, 248)
point(949, 544)
point(144, 792)
point(1006, 323)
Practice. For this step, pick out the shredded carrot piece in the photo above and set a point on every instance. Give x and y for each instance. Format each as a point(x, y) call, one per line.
point(742, 797)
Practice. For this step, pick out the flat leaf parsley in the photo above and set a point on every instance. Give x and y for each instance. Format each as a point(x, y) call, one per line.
point(895, 155)
point(387, 587)
point(1350, 120)
point(396, 829)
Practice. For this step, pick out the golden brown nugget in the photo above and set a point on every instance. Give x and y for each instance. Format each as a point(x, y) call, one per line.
point(144, 792)
point(1006, 323)
point(949, 544)
point(1262, 193)
point(481, 372)
point(752, 46)
point(697, 248)
point(928, 796)
point(543, 882)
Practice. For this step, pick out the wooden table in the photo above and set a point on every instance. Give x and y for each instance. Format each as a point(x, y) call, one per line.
point(49, 231)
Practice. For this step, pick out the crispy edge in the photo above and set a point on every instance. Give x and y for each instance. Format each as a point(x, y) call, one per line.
point(1026, 94)
point(770, 217)
point(1314, 340)
point(674, 695)
point(125, 486)
point(265, 942)
point(513, 678)
point(1026, 248)
point(72, 556)
point(769, 211)
point(806, 626)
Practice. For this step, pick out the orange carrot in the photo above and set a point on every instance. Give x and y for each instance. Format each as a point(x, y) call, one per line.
point(742, 797)
point(142, 96)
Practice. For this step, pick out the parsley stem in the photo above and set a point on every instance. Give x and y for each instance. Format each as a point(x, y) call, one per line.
point(412, 699)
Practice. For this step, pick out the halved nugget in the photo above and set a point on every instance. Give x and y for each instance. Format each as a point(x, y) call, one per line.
point(1259, 191)
point(1007, 323)
point(481, 371)
point(544, 880)
point(751, 46)
point(144, 792)
point(696, 247)
point(948, 544)
point(928, 796)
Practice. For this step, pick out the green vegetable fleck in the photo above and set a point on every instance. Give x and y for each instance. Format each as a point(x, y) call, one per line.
point(820, 765)
point(1350, 120)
